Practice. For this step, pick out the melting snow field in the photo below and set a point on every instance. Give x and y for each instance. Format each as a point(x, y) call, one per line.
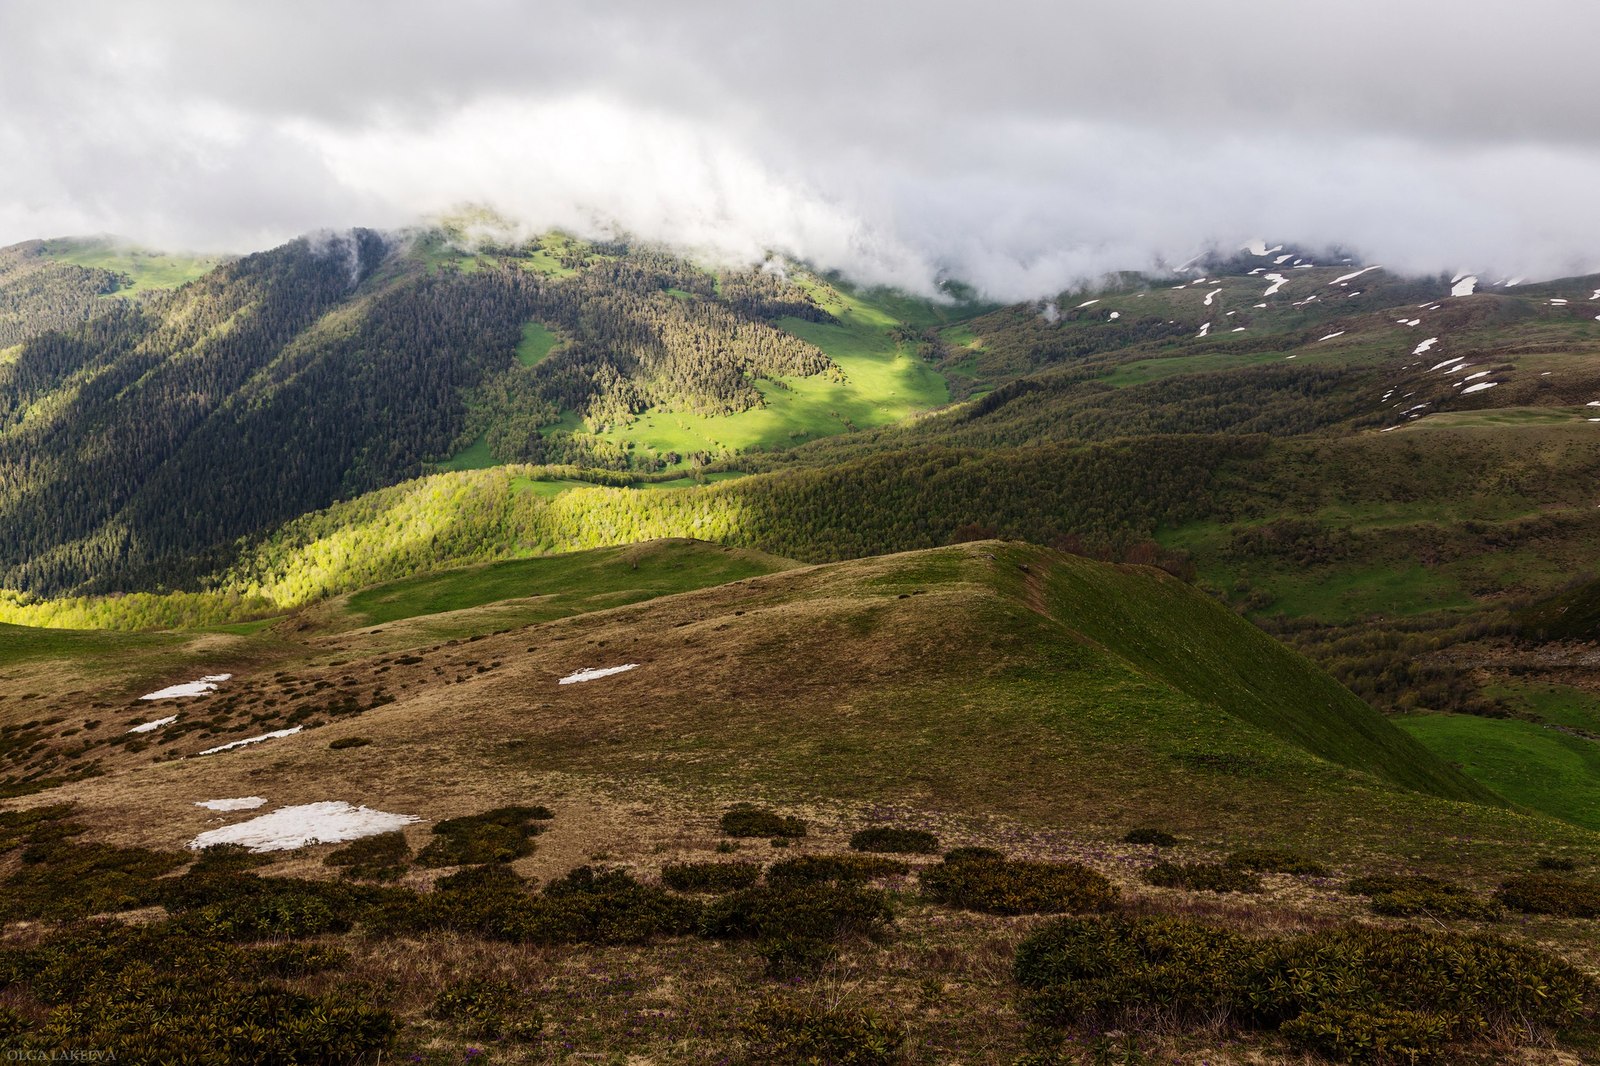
point(286, 828)
point(275, 734)
point(1465, 286)
point(1480, 386)
point(1341, 279)
point(145, 727)
point(1212, 295)
point(1277, 283)
point(1204, 330)
point(1330, 336)
point(206, 684)
point(1089, 303)
point(590, 675)
point(242, 803)
point(1424, 346)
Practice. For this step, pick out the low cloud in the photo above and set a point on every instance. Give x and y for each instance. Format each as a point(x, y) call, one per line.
point(1024, 150)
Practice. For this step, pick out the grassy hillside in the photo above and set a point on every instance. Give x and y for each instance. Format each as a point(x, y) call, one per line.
point(141, 270)
point(991, 694)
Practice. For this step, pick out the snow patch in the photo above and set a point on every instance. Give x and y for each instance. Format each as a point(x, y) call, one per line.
point(1330, 336)
point(1558, 303)
point(1479, 387)
point(1211, 296)
point(242, 803)
point(1282, 259)
point(1115, 315)
point(1259, 247)
point(590, 675)
point(206, 684)
point(1409, 321)
point(1351, 277)
point(1277, 283)
point(1424, 346)
point(1465, 286)
point(145, 727)
point(286, 828)
point(1090, 303)
point(274, 735)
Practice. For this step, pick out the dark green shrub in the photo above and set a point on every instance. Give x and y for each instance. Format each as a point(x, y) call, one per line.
point(230, 906)
point(1557, 864)
point(1358, 994)
point(745, 820)
point(1550, 894)
point(287, 961)
point(227, 857)
point(375, 858)
point(1005, 886)
point(1202, 877)
point(1276, 861)
point(821, 869)
point(63, 880)
point(1375, 1035)
point(349, 742)
point(488, 1010)
point(788, 1035)
point(491, 901)
point(607, 907)
point(710, 876)
point(1116, 972)
point(499, 835)
point(1410, 895)
point(1383, 884)
point(37, 825)
point(1158, 837)
point(795, 927)
point(895, 840)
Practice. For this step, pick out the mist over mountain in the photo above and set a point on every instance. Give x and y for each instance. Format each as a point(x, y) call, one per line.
point(1024, 151)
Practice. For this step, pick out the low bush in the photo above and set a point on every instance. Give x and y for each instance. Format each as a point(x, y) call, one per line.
point(710, 876)
point(790, 1035)
point(1157, 837)
point(487, 1010)
point(1549, 894)
point(1411, 895)
point(61, 879)
point(745, 820)
point(287, 961)
point(607, 907)
point(499, 835)
point(344, 743)
point(822, 869)
point(979, 882)
point(1202, 877)
point(1557, 864)
point(1356, 994)
point(375, 858)
point(895, 840)
point(1276, 861)
point(796, 927)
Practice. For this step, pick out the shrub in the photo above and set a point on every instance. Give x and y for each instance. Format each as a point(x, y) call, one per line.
point(499, 835)
point(1371, 1035)
point(789, 1035)
point(821, 869)
point(1276, 860)
point(1116, 971)
point(1549, 894)
point(895, 840)
point(607, 907)
point(1158, 837)
point(745, 820)
point(1358, 994)
point(1408, 895)
point(349, 742)
point(1202, 877)
point(488, 1010)
point(490, 901)
point(1005, 886)
point(61, 879)
point(285, 961)
point(795, 927)
point(1557, 864)
point(375, 858)
point(710, 876)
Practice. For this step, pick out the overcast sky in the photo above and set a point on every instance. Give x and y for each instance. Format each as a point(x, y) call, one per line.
point(1023, 146)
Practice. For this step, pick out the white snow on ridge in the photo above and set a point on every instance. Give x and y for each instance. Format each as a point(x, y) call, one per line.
point(1259, 247)
point(1409, 321)
point(242, 803)
point(206, 684)
point(1424, 346)
point(1474, 377)
point(1464, 286)
point(1351, 277)
point(1330, 336)
point(1211, 296)
point(286, 828)
point(1480, 386)
point(1277, 283)
point(274, 735)
point(590, 675)
point(1282, 259)
point(1090, 303)
point(1558, 303)
point(145, 727)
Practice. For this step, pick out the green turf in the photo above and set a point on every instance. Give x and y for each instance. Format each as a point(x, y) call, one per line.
point(1560, 705)
point(148, 270)
point(1145, 370)
point(566, 584)
point(884, 382)
point(537, 343)
point(1531, 764)
point(474, 456)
